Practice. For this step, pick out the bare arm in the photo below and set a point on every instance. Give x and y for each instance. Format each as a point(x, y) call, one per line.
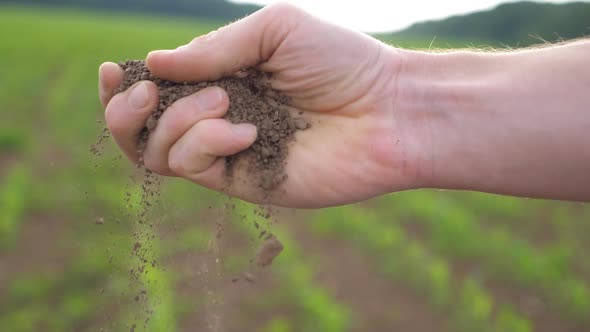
point(515, 123)
point(383, 119)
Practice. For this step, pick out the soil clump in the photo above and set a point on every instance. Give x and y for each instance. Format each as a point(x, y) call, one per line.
point(269, 250)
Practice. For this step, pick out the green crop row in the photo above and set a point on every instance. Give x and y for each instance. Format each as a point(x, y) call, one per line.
point(13, 203)
point(54, 300)
point(21, 90)
point(13, 140)
point(156, 310)
point(453, 231)
point(321, 311)
point(469, 306)
point(95, 282)
point(572, 228)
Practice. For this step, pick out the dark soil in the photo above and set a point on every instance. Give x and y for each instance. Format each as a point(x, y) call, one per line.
point(252, 100)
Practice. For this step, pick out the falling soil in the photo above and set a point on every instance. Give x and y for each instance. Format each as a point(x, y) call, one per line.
point(270, 249)
point(252, 100)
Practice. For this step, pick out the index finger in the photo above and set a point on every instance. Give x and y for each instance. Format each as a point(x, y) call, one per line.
point(244, 43)
point(110, 76)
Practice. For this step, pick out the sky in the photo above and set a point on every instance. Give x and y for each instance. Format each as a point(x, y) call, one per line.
point(387, 15)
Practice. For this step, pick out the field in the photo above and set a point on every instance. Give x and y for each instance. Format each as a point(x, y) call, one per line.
point(415, 261)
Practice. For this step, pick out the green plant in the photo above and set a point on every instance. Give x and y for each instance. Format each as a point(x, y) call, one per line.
point(321, 311)
point(278, 324)
point(508, 321)
point(13, 200)
point(410, 261)
point(13, 140)
point(454, 231)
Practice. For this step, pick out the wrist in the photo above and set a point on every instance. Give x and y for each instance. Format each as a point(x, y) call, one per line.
point(507, 123)
point(442, 98)
point(392, 139)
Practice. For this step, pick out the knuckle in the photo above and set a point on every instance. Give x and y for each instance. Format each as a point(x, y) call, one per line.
point(281, 18)
point(172, 121)
point(204, 131)
point(202, 128)
point(176, 164)
point(282, 8)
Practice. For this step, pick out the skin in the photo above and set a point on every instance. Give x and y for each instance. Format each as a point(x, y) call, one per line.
point(384, 119)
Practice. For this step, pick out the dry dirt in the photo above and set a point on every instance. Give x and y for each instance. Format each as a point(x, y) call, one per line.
point(252, 100)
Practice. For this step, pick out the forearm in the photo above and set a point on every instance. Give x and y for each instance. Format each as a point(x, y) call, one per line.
point(514, 123)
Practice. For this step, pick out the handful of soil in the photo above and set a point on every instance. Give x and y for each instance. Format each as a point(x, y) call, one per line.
point(252, 100)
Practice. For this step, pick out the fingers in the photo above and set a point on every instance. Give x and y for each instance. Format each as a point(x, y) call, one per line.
point(208, 103)
point(241, 44)
point(126, 115)
point(189, 137)
point(110, 76)
point(195, 152)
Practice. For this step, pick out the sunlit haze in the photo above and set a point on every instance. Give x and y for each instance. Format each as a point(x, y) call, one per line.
point(383, 15)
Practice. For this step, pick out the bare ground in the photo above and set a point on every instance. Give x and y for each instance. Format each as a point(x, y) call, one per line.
point(379, 303)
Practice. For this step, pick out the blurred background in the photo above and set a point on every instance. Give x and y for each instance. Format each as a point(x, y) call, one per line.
point(416, 261)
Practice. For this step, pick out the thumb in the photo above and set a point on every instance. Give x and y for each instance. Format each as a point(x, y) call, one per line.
point(244, 43)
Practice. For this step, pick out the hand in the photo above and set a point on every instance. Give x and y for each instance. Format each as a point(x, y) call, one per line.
point(359, 145)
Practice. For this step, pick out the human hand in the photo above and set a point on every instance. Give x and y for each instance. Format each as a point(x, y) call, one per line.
point(359, 145)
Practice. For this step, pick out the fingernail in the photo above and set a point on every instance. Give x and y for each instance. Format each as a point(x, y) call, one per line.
point(138, 99)
point(208, 99)
point(244, 130)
